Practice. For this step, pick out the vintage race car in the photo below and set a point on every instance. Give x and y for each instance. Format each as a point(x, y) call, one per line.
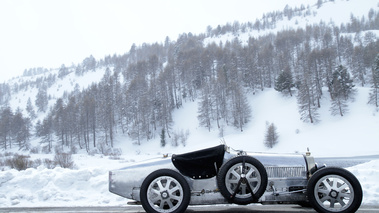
point(221, 175)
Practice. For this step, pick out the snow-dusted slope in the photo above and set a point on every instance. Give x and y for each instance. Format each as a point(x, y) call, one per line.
point(354, 134)
point(332, 13)
point(55, 91)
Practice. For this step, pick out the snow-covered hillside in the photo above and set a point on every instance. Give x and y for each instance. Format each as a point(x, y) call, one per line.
point(351, 135)
point(65, 85)
point(354, 134)
point(87, 185)
point(332, 13)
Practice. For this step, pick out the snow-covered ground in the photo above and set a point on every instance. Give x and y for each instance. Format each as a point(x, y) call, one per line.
point(85, 186)
point(368, 174)
point(354, 134)
point(88, 186)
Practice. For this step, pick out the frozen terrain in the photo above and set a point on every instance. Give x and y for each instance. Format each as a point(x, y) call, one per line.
point(355, 134)
point(87, 185)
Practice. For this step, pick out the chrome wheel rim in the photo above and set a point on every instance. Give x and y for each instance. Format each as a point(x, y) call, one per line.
point(334, 193)
point(236, 172)
point(165, 194)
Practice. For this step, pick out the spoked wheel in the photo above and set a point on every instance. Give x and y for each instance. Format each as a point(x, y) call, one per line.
point(334, 190)
point(242, 180)
point(165, 191)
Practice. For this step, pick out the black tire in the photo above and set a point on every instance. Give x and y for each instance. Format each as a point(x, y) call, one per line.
point(171, 195)
point(329, 188)
point(230, 174)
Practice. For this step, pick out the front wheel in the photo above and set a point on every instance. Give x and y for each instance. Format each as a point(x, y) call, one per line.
point(334, 189)
point(165, 191)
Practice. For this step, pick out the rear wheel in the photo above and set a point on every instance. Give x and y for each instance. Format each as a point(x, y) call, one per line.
point(242, 180)
point(334, 189)
point(165, 191)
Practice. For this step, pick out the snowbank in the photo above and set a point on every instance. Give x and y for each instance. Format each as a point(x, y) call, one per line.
point(367, 175)
point(56, 187)
point(89, 187)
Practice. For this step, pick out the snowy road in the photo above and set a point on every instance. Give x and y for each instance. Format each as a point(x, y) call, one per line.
point(195, 209)
point(345, 162)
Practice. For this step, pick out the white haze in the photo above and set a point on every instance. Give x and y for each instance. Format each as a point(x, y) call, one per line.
point(45, 33)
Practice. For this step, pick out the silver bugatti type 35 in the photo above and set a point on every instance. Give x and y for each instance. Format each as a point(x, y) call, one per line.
point(221, 175)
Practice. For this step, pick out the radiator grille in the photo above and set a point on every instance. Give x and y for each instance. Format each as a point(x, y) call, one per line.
point(287, 171)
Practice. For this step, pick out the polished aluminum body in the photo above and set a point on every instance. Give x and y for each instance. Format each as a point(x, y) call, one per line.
point(287, 178)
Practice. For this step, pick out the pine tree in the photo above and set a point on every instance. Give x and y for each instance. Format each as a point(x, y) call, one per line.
point(339, 106)
point(205, 109)
point(73, 123)
point(63, 71)
point(89, 63)
point(307, 95)
point(6, 117)
point(347, 86)
point(284, 82)
point(30, 109)
point(271, 136)
point(45, 131)
point(59, 121)
point(20, 130)
point(240, 108)
point(341, 90)
point(374, 94)
point(163, 138)
point(41, 100)
point(307, 108)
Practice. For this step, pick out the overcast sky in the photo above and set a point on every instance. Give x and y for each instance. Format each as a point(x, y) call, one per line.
point(49, 33)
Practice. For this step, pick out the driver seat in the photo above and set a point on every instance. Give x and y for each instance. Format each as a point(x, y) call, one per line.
point(200, 164)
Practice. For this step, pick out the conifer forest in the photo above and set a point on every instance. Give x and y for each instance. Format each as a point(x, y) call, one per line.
point(143, 87)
